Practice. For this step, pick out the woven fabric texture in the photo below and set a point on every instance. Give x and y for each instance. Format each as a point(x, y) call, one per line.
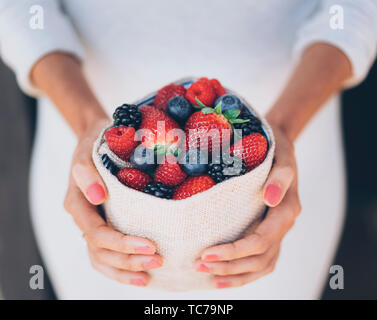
point(183, 228)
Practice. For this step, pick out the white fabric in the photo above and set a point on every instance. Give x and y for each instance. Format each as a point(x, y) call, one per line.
point(22, 46)
point(357, 39)
point(133, 47)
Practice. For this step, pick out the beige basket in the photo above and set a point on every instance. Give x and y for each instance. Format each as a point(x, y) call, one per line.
point(183, 228)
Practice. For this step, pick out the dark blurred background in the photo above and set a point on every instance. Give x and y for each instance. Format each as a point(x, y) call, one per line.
point(357, 253)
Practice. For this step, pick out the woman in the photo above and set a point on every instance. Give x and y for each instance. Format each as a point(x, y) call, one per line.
point(285, 57)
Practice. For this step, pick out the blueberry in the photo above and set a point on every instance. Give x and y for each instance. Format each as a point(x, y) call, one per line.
point(229, 101)
point(195, 162)
point(179, 109)
point(143, 159)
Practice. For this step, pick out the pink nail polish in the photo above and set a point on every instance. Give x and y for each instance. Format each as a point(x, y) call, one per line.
point(138, 282)
point(96, 193)
point(211, 257)
point(272, 194)
point(222, 284)
point(152, 264)
point(144, 250)
point(202, 268)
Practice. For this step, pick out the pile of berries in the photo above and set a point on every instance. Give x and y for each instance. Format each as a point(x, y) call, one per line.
point(215, 138)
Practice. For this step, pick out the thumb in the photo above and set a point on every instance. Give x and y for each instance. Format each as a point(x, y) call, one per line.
point(282, 174)
point(278, 183)
point(89, 181)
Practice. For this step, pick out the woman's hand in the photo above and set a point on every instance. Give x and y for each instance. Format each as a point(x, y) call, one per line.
point(320, 73)
point(235, 264)
point(120, 257)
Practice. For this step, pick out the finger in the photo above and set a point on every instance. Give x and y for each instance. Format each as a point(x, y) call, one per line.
point(127, 262)
point(87, 177)
point(276, 224)
point(238, 266)
point(127, 277)
point(221, 282)
point(282, 174)
point(97, 232)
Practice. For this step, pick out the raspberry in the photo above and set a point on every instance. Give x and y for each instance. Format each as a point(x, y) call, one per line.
point(202, 90)
point(133, 178)
point(121, 141)
point(166, 93)
point(218, 87)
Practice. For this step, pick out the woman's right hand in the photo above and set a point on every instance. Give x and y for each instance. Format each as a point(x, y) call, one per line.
point(118, 256)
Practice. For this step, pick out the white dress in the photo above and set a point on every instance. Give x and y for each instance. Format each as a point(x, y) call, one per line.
point(130, 48)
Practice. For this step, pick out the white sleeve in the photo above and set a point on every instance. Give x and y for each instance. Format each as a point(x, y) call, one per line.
point(22, 45)
point(357, 39)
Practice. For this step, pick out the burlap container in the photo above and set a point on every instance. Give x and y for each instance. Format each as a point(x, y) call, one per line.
point(183, 228)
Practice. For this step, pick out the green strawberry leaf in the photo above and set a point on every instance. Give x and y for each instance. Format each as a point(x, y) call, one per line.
point(238, 120)
point(207, 110)
point(232, 114)
point(218, 108)
point(200, 104)
point(177, 152)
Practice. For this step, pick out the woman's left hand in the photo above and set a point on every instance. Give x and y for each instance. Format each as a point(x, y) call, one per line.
point(245, 260)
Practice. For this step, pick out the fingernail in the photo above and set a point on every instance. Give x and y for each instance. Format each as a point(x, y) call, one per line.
point(96, 193)
point(211, 257)
point(272, 194)
point(144, 250)
point(138, 282)
point(222, 284)
point(152, 264)
point(202, 268)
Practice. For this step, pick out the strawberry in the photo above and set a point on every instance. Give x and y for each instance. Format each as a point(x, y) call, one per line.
point(193, 185)
point(210, 129)
point(166, 93)
point(218, 87)
point(198, 128)
point(169, 172)
point(121, 141)
point(156, 125)
point(133, 178)
point(202, 90)
point(252, 149)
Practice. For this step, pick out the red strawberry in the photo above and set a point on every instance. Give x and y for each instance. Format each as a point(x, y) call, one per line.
point(169, 172)
point(193, 185)
point(166, 93)
point(252, 149)
point(218, 87)
point(121, 141)
point(156, 125)
point(133, 178)
point(211, 127)
point(203, 90)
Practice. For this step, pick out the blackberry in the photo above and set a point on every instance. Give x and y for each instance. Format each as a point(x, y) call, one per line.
point(127, 115)
point(229, 102)
point(253, 125)
point(159, 190)
point(109, 164)
point(225, 167)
